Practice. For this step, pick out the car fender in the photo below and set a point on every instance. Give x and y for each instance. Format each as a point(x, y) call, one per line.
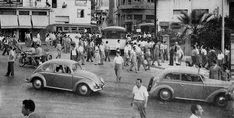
point(39, 76)
point(155, 90)
point(211, 97)
point(89, 82)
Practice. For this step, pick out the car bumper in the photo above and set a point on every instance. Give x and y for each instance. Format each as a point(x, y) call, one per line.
point(98, 88)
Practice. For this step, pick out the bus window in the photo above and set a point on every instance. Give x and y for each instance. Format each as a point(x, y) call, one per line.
point(66, 29)
point(74, 29)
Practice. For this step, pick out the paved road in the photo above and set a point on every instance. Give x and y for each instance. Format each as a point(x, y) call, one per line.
point(113, 101)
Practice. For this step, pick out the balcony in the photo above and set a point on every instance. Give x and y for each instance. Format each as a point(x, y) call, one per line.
point(136, 6)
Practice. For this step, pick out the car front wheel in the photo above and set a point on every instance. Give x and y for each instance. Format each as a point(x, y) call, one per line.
point(83, 89)
point(221, 100)
point(165, 94)
point(37, 83)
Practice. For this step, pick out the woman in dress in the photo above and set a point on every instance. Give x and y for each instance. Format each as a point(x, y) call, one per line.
point(96, 54)
point(118, 65)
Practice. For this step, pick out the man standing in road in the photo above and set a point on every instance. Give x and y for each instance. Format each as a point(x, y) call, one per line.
point(140, 98)
point(11, 60)
point(28, 107)
point(196, 110)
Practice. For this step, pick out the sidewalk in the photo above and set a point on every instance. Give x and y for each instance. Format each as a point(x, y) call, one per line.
point(166, 63)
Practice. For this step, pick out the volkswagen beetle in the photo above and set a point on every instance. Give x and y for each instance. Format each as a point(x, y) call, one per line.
point(65, 75)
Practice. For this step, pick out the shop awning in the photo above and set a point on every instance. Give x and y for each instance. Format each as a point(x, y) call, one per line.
point(40, 21)
point(8, 21)
point(24, 21)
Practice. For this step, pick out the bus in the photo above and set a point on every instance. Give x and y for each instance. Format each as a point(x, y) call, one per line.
point(112, 34)
point(73, 28)
point(146, 27)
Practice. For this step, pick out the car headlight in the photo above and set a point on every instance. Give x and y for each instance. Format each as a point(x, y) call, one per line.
point(96, 86)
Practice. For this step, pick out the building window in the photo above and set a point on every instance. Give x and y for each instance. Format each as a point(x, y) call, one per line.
point(54, 3)
point(150, 1)
point(201, 11)
point(23, 12)
point(80, 13)
point(138, 18)
point(40, 13)
point(179, 11)
point(66, 29)
point(129, 17)
point(8, 12)
point(129, 1)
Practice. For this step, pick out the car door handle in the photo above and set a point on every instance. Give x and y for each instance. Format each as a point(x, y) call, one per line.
point(181, 84)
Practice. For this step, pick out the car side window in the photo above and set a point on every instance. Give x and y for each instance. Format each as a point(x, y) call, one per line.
point(191, 78)
point(59, 68)
point(67, 69)
point(48, 68)
point(172, 76)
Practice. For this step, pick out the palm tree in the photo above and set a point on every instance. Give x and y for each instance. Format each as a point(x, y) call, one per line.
point(194, 24)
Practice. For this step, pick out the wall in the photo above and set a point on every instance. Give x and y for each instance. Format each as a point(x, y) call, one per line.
point(70, 11)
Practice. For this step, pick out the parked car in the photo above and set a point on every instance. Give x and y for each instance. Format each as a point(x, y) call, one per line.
point(65, 75)
point(188, 83)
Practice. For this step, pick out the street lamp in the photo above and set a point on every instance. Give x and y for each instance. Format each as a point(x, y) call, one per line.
point(223, 27)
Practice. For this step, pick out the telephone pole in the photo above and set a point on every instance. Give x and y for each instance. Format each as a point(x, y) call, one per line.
point(155, 19)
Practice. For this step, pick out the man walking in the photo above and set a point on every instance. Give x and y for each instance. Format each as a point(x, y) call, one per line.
point(140, 98)
point(11, 60)
point(196, 110)
point(28, 107)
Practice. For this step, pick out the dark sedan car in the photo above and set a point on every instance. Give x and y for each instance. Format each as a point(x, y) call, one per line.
point(65, 75)
point(188, 83)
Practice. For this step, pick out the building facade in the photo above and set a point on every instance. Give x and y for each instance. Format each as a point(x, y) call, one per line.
point(134, 12)
point(15, 19)
point(168, 11)
point(65, 11)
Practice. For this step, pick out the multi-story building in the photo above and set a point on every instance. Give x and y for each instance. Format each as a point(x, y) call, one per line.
point(65, 11)
point(133, 12)
point(15, 18)
point(168, 11)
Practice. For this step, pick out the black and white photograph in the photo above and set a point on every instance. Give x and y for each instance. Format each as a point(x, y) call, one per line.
point(116, 58)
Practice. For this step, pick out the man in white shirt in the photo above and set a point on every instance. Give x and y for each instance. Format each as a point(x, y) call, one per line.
point(196, 110)
point(11, 60)
point(140, 98)
point(28, 107)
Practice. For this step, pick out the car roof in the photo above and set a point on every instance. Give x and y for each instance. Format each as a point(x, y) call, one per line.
point(61, 61)
point(183, 69)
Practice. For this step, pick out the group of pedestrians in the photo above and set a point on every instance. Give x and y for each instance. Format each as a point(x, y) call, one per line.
point(214, 60)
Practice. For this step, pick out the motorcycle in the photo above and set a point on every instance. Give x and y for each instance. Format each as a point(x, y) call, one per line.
point(28, 59)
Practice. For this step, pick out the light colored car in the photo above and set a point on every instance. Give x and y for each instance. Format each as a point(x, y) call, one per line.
point(188, 83)
point(65, 75)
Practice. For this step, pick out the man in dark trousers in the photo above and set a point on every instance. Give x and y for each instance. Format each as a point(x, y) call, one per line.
point(172, 53)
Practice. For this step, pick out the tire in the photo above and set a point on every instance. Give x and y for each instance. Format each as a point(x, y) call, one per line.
point(220, 100)
point(37, 83)
point(22, 62)
point(83, 89)
point(165, 94)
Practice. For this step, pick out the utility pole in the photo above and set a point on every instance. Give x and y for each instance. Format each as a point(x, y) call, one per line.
point(155, 20)
point(223, 27)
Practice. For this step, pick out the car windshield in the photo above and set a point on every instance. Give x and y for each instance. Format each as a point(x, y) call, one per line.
point(76, 67)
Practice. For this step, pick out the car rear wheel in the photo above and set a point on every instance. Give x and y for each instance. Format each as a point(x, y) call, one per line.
point(37, 83)
point(221, 100)
point(83, 89)
point(165, 94)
